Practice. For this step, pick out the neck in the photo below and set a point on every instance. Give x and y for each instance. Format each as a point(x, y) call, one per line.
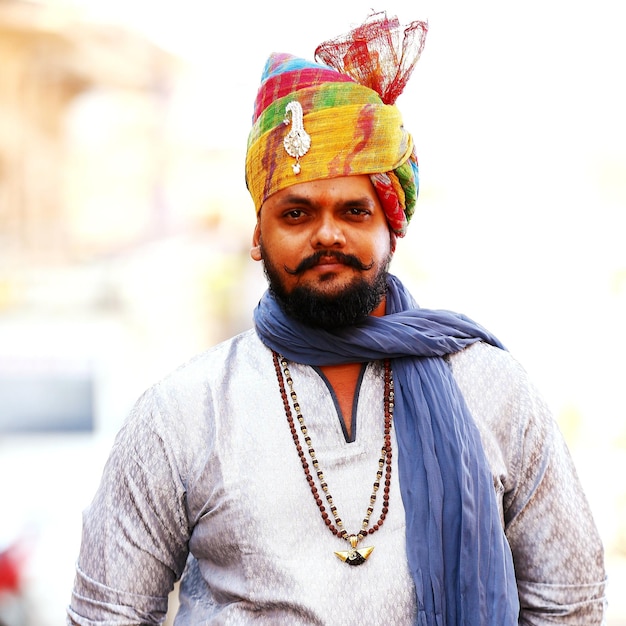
point(381, 309)
point(343, 379)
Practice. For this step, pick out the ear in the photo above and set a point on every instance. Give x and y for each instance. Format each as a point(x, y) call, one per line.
point(255, 251)
point(393, 240)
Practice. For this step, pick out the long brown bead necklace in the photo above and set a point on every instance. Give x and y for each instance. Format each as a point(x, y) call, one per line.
point(353, 556)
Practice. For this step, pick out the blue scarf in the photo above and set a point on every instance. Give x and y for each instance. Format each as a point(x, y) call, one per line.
point(458, 556)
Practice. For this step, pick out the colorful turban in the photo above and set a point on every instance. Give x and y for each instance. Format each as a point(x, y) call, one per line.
point(337, 117)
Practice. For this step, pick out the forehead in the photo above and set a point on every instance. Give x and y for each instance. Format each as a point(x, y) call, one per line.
point(334, 190)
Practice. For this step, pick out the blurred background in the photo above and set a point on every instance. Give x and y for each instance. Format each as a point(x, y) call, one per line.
point(125, 226)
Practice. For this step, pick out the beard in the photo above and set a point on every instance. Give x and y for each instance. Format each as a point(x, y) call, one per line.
point(328, 311)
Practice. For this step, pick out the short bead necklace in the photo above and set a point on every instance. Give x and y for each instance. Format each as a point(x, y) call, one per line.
point(353, 556)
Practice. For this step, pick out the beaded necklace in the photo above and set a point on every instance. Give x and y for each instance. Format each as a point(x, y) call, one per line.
point(353, 556)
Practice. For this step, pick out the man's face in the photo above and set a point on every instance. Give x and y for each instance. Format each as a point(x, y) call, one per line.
point(326, 247)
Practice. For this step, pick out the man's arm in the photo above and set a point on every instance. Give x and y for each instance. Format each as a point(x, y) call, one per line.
point(135, 532)
point(558, 553)
point(556, 548)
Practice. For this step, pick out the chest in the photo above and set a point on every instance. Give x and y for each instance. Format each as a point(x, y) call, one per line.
point(259, 520)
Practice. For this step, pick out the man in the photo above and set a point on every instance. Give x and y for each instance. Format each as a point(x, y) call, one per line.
point(353, 459)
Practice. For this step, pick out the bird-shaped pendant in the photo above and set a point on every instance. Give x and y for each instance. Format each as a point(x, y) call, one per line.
point(355, 556)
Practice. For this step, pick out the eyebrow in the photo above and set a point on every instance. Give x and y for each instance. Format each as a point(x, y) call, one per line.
point(294, 198)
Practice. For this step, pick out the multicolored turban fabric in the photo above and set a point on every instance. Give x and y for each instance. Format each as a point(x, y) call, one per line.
point(313, 121)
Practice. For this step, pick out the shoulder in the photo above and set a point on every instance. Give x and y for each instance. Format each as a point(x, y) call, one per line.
point(482, 362)
point(494, 384)
point(209, 368)
point(507, 408)
point(487, 374)
point(189, 398)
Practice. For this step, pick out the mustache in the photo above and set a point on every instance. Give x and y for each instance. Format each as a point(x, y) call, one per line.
point(347, 259)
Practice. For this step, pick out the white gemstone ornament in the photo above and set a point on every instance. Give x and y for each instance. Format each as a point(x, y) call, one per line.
point(297, 141)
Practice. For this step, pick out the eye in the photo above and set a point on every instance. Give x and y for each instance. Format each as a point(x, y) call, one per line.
point(294, 215)
point(358, 212)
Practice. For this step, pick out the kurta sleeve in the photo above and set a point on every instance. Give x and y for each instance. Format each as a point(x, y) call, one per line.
point(557, 550)
point(135, 532)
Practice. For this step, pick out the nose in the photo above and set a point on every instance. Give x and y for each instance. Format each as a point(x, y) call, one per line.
point(327, 233)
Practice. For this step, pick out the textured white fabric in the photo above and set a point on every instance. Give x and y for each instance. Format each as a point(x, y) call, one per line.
point(205, 474)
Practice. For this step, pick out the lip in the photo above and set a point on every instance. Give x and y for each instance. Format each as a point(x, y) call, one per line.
point(330, 262)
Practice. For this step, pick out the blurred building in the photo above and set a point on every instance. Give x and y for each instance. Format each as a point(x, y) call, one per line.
point(111, 216)
point(52, 62)
point(51, 59)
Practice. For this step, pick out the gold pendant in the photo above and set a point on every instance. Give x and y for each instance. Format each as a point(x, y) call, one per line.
point(354, 556)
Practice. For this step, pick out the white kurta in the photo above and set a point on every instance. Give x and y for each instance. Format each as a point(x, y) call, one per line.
point(205, 472)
